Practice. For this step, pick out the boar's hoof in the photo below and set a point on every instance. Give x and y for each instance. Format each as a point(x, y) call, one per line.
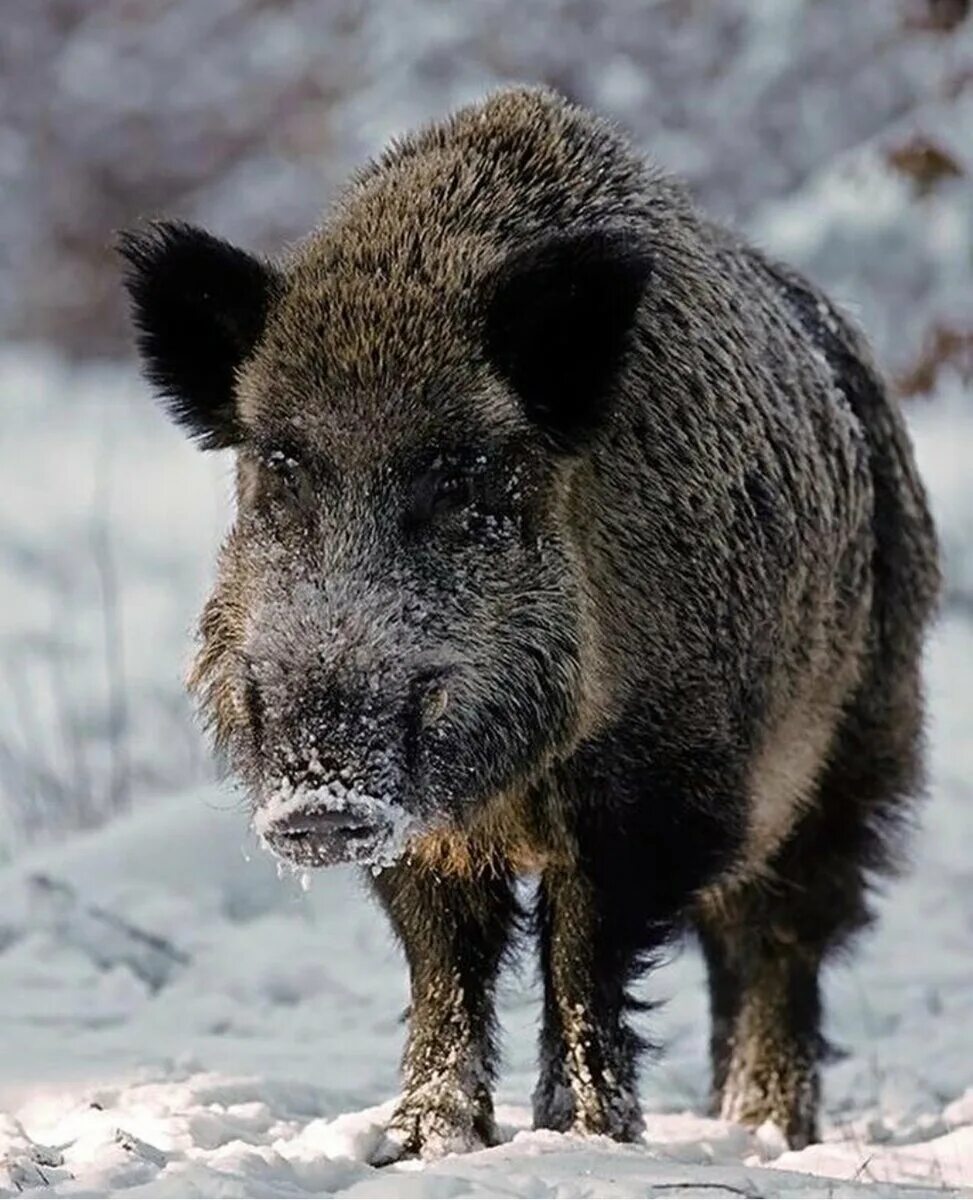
point(791, 1112)
point(417, 1131)
point(613, 1113)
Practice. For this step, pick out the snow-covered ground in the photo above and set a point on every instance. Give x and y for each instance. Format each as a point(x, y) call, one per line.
point(177, 1020)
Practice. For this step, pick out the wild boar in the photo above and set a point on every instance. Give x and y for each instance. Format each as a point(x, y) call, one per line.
point(574, 538)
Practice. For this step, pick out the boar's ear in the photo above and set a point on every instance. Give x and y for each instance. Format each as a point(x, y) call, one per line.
point(558, 318)
point(199, 305)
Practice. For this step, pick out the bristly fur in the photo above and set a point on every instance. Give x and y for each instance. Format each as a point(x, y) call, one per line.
point(199, 305)
point(574, 537)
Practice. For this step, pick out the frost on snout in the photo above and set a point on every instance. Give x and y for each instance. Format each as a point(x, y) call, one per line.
point(339, 758)
point(319, 826)
point(338, 787)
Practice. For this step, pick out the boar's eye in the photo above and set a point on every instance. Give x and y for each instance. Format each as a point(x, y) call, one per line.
point(437, 492)
point(287, 474)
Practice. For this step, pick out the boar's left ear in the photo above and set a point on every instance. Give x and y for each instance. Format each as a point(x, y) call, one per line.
point(199, 305)
point(558, 319)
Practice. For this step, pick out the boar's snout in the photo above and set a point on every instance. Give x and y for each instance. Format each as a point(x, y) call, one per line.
point(343, 770)
point(315, 836)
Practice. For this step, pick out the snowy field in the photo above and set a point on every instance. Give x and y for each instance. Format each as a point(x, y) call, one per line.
point(178, 1021)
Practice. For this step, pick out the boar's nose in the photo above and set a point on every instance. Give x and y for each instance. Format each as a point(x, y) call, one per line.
point(311, 822)
point(314, 836)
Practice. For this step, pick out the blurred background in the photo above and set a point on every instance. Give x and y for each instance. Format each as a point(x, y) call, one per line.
point(835, 133)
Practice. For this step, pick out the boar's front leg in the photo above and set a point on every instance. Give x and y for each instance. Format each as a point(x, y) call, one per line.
point(454, 932)
point(645, 838)
point(588, 1052)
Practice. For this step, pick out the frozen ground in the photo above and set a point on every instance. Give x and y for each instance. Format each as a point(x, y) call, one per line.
point(176, 1020)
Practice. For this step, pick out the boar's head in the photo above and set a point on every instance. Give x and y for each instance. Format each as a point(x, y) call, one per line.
point(401, 623)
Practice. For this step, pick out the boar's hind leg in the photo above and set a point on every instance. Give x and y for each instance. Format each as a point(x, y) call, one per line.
point(765, 942)
point(588, 1052)
point(765, 1012)
point(454, 932)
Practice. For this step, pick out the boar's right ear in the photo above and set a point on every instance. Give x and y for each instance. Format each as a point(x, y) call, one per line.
point(558, 319)
point(199, 305)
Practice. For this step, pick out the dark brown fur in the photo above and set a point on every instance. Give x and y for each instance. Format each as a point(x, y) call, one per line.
point(591, 537)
